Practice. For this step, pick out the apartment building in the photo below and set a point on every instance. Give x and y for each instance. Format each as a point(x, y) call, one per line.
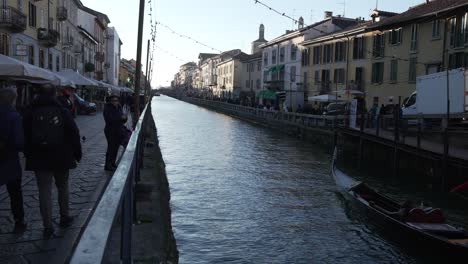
point(384, 56)
point(29, 31)
point(113, 56)
point(252, 74)
point(282, 57)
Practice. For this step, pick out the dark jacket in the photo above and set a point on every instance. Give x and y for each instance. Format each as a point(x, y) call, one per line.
point(11, 135)
point(63, 157)
point(113, 119)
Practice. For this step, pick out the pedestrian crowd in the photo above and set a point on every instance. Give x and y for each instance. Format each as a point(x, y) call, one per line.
point(49, 138)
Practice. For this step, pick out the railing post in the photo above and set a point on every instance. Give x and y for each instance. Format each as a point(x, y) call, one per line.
point(127, 217)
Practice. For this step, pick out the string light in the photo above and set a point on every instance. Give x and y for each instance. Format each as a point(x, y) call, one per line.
point(187, 37)
point(276, 11)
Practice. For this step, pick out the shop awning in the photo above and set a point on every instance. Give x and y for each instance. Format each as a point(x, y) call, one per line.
point(323, 98)
point(276, 68)
point(267, 94)
point(77, 78)
point(13, 68)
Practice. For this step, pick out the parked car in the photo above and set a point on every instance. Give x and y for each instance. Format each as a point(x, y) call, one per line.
point(84, 107)
point(336, 109)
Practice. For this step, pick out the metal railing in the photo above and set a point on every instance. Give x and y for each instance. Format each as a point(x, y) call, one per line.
point(434, 130)
point(118, 197)
point(12, 19)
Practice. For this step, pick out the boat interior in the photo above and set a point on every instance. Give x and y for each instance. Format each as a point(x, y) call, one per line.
point(430, 220)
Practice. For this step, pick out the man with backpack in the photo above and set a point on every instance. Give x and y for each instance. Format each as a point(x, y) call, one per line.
point(11, 142)
point(52, 148)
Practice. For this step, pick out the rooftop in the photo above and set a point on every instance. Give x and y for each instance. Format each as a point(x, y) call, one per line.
point(420, 12)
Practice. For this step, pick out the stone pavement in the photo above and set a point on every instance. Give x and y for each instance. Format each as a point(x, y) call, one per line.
point(86, 184)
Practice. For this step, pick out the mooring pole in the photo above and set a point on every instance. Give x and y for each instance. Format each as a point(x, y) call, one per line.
point(138, 63)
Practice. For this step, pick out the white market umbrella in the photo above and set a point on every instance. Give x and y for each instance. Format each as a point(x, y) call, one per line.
point(15, 69)
point(323, 98)
point(348, 92)
point(77, 78)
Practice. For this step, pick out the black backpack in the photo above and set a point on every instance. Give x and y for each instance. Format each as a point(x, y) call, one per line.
point(3, 144)
point(48, 130)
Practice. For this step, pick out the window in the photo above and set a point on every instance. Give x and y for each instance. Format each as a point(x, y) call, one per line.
point(265, 76)
point(248, 67)
point(41, 58)
point(457, 60)
point(453, 29)
point(395, 36)
point(377, 72)
point(265, 58)
point(359, 78)
point(4, 44)
point(305, 82)
point(251, 84)
point(393, 71)
point(273, 56)
point(57, 64)
point(317, 77)
point(358, 48)
point(31, 55)
point(247, 83)
point(327, 53)
point(259, 65)
point(32, 15)
point(436, 29)
point(325, 81)
point(412, 70)
point(281, 74)
point(258, 83)
point(317, 55)
point(378, 49)
point(414, 37)
point(339, 76)
point(282, 51)
point(293, 52)
point(340, 51)
point(293, 74)
point(465, 28)
point(305, 60)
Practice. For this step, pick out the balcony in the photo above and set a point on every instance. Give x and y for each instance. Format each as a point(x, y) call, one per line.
point(99, 56)
point(62, 13)
point(12, 20)
point(68, 42)
point(47, 38)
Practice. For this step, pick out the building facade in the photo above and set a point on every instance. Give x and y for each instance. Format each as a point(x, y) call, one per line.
point(282, 58)
point(113, 56)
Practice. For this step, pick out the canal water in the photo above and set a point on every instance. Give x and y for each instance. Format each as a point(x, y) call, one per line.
point(241, 193)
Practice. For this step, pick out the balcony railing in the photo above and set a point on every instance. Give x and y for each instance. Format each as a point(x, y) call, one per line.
point(47, 37)
point(62, 13)
point(12, 20)
point(99, 56)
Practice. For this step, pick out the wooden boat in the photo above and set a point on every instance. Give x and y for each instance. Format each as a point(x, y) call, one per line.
point(421, 229)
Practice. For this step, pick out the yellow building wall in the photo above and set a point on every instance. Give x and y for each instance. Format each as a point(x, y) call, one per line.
point(429, 52)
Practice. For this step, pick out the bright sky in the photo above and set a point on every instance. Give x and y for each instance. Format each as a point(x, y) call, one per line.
point(221, 24)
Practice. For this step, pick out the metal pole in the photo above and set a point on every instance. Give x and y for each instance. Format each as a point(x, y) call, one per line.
point(146, 76)
point(138, 63)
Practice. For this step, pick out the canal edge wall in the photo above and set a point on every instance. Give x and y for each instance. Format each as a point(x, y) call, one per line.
point(153, 240)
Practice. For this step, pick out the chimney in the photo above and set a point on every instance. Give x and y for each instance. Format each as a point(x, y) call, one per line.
point(328, 14)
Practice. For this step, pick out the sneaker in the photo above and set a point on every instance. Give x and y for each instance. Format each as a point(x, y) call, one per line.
point(20, 226)
point(66, 221)
point(48, 232)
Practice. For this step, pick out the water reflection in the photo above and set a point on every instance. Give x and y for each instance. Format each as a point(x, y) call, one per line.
point(244, 194)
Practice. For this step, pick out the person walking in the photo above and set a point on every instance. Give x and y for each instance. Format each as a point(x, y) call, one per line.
point(52, 148)
point(114, 119)
point(11, 143)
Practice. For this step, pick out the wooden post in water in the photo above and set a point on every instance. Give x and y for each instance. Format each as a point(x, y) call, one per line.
point(361, 140)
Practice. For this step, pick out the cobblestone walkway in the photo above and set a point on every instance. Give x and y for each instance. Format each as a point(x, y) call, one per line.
point(86, 184)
